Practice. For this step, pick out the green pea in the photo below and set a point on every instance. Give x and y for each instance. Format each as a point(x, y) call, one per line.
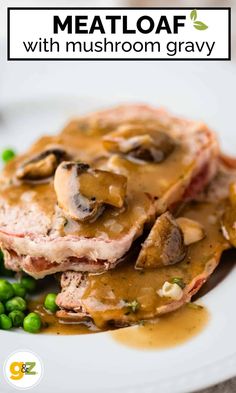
point(28, 283)
point(2, 308)
point(6, 290)
point(7, 155)
point(16, 303)
point(5, 322)
point(17, 318)
point(50, 302)
point(32, 323)
point(19, 290)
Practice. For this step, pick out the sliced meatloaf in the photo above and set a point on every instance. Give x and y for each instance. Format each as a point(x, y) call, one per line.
point(161, 161)
point(126, 295)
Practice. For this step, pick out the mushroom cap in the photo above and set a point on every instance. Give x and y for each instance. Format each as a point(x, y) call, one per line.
point(139, 141)
point(164, 244)
point(83, 192)
point(42, 165)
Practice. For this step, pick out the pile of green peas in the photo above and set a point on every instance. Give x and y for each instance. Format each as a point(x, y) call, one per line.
point(13, 304)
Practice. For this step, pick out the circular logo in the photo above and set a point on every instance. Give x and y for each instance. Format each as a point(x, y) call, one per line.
point(23, 369)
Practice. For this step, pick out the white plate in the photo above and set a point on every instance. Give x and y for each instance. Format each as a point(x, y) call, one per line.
point(96, 363)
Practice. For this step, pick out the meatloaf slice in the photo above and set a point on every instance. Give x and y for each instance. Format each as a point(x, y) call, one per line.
point(124, 295)
point(38, 237)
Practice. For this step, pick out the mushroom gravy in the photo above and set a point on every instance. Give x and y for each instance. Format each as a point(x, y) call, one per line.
point(109, 296)
point(167, 331)
point(171, 177)
point(53, 325)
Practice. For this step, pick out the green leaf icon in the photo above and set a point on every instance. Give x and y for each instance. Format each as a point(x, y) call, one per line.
point(200, 25)
point(193, 15)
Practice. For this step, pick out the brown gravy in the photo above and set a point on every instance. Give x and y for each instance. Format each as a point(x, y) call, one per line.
point(167, 331)
point(52, 325)
point(142, 191)
point(103, 293)
point(105, 296)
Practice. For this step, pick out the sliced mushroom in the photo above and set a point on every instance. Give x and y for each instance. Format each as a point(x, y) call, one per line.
point(164, 245)
point(41, 166)
point(83, 192)
point(142, 142)
point(193, 231)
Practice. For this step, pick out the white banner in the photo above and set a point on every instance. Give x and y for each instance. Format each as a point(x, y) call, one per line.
point(118, 34)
